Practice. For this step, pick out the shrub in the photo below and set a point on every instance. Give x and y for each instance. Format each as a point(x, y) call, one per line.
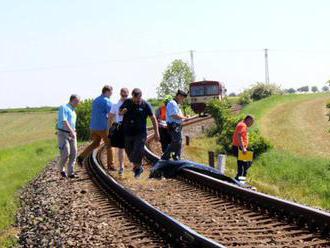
point(262, 90)
point(328, 104)
point(245, 98)
point(187, 110)
point(220, 111)
point(84, 111)
point(155, 103)
point(226, 123)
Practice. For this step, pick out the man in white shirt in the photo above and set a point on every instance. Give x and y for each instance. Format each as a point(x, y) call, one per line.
point(116, 133)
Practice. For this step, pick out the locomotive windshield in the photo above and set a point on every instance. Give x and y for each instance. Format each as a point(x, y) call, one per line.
point(197, 90)
point(212, 90)
point(204, 90)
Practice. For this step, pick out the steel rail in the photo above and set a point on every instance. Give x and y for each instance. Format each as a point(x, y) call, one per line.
point(170, 229)
point(302, 215)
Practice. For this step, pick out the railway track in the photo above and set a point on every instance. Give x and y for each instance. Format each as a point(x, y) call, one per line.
point(150, 227)
point(225, 213)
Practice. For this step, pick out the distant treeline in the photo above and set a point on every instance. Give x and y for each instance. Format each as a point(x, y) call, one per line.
point(28, 109)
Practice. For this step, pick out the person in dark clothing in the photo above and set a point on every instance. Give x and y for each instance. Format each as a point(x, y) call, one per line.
point(174, 121)
point(165, 137)
point(136, 111)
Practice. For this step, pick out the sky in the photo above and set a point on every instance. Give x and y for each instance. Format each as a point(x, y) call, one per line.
point(51, 49)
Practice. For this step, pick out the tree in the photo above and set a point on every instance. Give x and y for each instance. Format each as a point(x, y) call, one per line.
point(325, 88)
point(328, 82)
point(303, 89)
point(232, 94)
point(290, 91)
point(314, 89)
point(178, 75)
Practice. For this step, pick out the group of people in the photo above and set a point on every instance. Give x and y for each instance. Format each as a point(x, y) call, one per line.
point(122, 125)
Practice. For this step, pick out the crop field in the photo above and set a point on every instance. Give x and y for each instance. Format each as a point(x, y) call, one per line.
point(297, 168)
point(28, 142)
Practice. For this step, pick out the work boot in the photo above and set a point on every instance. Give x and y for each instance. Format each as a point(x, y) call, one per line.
point(80, 161)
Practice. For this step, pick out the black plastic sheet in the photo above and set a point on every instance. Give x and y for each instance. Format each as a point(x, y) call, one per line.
point(170, 169)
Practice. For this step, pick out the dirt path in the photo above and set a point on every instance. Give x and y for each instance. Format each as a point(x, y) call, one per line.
point(300, 126)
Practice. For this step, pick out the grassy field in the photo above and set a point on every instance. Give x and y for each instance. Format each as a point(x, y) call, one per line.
point(25, 128)
point(28, 142)
point(297, 167)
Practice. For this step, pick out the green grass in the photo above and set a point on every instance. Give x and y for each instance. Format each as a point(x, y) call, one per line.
point(28, 142)
point(260, 108)
point(25, 128)
point(18, 166)
point(28, 110)
point(294, 169)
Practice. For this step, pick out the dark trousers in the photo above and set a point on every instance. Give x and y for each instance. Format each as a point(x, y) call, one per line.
point(242, 166)
point(175, 131)
point(165, 138)
point(134, 147)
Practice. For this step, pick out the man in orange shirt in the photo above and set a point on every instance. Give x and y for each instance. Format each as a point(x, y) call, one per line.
point(241, 142)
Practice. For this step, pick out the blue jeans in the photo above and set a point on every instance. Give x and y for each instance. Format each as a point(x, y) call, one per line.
point(175, 131)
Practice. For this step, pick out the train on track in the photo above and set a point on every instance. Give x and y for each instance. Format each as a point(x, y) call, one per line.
point(202, 92)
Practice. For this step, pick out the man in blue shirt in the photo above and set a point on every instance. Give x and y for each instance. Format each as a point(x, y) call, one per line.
point(99, 126)
point(136, 111)
point(174, 121)
point(67, 138)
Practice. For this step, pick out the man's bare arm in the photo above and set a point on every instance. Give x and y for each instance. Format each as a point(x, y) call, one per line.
point(112, 118)
point(241, 143)
point(155, 126)
point(179, 117)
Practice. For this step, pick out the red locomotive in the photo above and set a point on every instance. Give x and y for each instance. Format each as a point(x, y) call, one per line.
point(203, 91)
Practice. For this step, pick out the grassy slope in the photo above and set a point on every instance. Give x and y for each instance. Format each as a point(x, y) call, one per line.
point(27, 142)
point(283, 171)
point(25, 128)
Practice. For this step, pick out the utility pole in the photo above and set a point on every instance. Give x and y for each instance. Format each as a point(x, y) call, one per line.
point(192, 66)
point(266, 67)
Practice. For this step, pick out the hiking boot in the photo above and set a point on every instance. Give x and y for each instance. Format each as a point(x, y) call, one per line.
point(63, 174)
point(138, 172)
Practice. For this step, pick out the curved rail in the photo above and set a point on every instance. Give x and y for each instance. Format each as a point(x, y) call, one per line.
point(170, 229)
